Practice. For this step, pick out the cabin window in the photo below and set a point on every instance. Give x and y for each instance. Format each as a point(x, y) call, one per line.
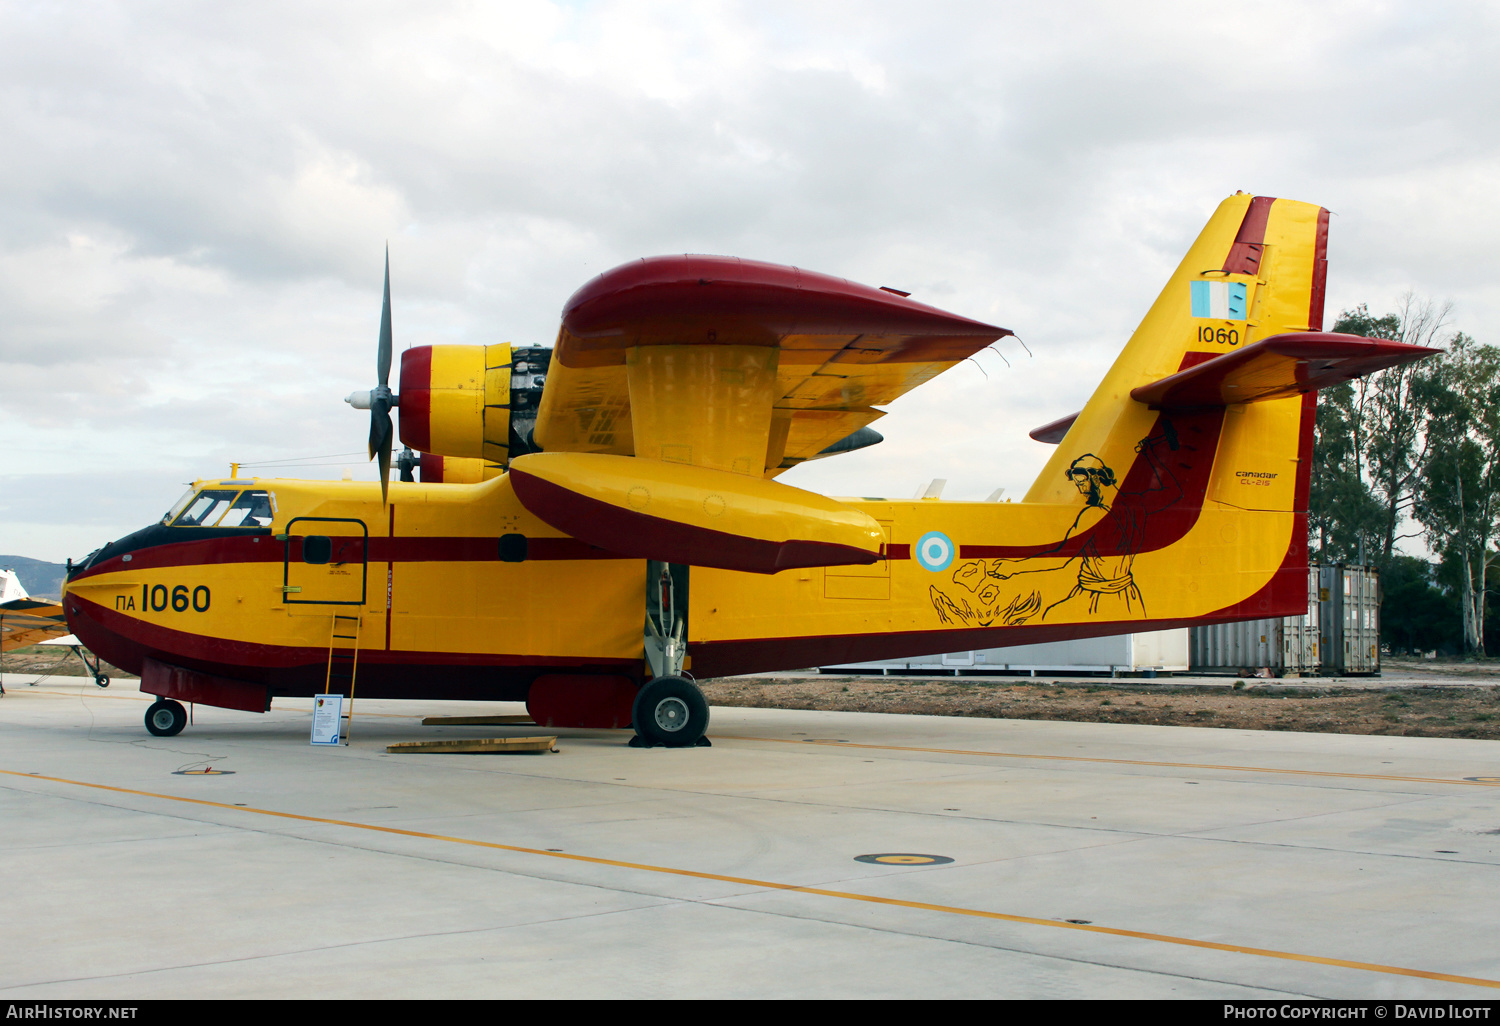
point(317, 549)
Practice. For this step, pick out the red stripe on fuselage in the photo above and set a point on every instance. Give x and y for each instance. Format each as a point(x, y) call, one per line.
point(1191, 466)
point(127, 642)
point(265, 549)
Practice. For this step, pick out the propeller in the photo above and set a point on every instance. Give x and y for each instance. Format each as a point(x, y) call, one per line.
point(407, 462)
point(380, 399)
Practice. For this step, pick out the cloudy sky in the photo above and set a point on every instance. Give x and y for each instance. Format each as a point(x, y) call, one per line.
point(194, 199)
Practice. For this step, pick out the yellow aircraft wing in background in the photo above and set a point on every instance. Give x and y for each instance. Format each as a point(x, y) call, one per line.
point(27, 621)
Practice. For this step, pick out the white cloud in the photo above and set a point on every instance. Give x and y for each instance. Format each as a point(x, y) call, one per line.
point(196, 199)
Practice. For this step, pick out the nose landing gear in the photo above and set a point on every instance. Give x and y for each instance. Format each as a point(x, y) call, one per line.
point(166, 718)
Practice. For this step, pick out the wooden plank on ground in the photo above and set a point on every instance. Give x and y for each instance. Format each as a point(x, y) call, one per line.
point(477, 746)
point(478, 721)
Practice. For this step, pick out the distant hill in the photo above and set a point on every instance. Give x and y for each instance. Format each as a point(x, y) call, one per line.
point(41, 580)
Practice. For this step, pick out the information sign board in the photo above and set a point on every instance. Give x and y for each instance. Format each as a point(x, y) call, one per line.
point(327, 713)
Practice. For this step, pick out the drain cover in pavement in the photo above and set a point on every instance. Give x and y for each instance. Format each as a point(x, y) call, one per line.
point(900, 858)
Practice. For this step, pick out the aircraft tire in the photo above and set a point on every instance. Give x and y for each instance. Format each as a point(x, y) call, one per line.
point(166, 718)
point(102, 681)
point(670, 711)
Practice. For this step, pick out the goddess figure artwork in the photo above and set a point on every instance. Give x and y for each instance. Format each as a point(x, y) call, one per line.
point(1086, 575)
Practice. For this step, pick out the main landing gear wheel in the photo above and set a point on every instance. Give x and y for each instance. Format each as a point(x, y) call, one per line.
point(166, 718)
point(102, 681)
point(670, 711)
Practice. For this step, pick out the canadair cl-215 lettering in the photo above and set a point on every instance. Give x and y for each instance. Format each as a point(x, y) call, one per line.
point(596, 525)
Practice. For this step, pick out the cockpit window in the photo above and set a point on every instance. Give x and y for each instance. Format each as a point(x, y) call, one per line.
point(251, 509)
point(179, 506)
point(205, 509)
point(213, 507)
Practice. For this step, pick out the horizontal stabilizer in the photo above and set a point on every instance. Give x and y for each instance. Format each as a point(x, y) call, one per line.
point(677, 513)
point(1277, 367)
point(1055, 431)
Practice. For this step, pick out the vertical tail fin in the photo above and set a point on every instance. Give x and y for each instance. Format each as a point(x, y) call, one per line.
point(1257, 269)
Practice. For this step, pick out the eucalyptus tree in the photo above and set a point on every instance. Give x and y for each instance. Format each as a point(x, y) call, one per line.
point(1392, 414)
point(1458, 494)
point(1342, 511)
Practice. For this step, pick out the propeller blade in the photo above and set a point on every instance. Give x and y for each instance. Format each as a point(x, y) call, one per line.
point(380, 426)
point(383, 360)
point(385, 468)
point(380, 441)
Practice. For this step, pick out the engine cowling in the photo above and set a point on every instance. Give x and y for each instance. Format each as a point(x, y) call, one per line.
point(471, 403)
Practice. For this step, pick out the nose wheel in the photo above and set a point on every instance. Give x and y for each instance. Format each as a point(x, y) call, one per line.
point(670, 711)
point(166, 718)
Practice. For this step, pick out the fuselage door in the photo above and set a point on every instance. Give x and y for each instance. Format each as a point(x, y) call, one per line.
point(325, 561)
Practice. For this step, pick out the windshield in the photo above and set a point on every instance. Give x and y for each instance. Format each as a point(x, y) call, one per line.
point(215, 507)
point(179, 506)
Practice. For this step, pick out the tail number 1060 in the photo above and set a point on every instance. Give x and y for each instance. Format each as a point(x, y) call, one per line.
point(158, 598)
point(1219, 336)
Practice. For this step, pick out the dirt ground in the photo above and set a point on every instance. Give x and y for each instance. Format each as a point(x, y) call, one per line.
point(54, 659)
point(1410, 710)
point(1454, 668)
point(1415, 699)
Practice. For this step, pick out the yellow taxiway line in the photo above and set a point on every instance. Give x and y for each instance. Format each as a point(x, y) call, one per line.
point(1494, 782)
point(958, 751)
point(1239, 949)
point(27, 689)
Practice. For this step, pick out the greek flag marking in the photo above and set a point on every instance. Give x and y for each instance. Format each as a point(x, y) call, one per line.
point(1224, 300)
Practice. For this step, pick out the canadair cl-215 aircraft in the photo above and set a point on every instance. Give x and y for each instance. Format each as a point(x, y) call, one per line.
point(592, 550)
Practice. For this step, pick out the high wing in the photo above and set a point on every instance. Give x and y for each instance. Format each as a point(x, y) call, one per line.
point(795, 359)
point(27, 621)
point(679, 385)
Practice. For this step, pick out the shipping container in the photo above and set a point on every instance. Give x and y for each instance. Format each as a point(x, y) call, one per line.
point(1350, 619)
point(1277, 645)
point(1339, 635)
point(1144, 652)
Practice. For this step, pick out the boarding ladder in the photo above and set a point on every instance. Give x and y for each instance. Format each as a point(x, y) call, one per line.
point(343, 660)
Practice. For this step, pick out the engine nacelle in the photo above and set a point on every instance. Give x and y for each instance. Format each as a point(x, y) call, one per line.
point(471, 402)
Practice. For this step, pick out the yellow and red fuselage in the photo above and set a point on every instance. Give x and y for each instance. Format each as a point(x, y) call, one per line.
point(678, 390)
